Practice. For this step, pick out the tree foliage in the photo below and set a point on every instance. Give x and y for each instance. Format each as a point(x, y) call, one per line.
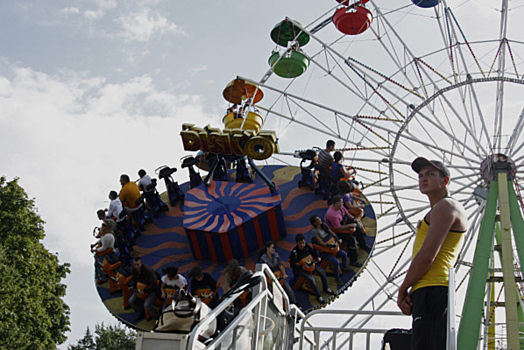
point(106, 338)
point(32, 312)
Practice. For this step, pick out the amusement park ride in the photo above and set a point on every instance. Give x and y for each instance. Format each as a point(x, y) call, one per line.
point(388, 80)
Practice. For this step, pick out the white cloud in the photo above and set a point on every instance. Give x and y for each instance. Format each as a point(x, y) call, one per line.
point(138, 97)
point(134, 55)
point(106, 4)
point(195, 70)
point(94, 15)
point(145, 3)
point(102, 7)
point(70, 10)
point(144, 24)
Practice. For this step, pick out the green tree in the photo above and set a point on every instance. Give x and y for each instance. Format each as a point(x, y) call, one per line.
point(86, 343)
point(106, 338)
point(32, 312)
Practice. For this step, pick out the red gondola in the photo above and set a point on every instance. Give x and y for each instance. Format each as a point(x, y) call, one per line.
point(352, 20)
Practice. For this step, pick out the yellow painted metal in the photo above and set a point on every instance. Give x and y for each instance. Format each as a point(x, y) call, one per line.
point(253, 121)
point(491, 327)
point(230, 122)
point(507, 261)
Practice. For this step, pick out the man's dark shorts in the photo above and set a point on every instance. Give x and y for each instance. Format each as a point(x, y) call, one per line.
point(429, 312)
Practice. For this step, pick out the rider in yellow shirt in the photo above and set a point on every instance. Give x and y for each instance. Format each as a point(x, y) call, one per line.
point(129, 192)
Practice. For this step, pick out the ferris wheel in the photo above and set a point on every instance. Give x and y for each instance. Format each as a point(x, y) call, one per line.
point(391, 80)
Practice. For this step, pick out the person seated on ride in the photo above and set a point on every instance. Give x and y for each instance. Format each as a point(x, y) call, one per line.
point(240, 113)
point(129, 193)
point(204, 286)
point(303, 259)
point(232, 109)
point(144, 180)
point(269, 256)
point(340, 221)
point(354, 205)
point(247, 104)
point(101, 214)
point(339, 171)
point(124, 231)
point(325, 159)
point(115, 207)
point(232, 273)
point(327, 243)
point(103, 246)
point(171, 281)
point(144, 286)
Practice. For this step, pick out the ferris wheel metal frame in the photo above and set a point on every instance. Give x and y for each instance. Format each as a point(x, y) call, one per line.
point(436, 103)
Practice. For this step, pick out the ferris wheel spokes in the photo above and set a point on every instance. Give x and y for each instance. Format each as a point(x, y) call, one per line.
point(484, 129)
point(373, 133)
point(509, 151)
point(501, 72)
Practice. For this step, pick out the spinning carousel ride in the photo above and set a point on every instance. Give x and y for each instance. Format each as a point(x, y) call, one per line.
point(230, 213)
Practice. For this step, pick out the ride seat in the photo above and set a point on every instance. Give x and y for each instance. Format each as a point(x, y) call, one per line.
point(329, 267)
point(302, 283)
point(157, 302)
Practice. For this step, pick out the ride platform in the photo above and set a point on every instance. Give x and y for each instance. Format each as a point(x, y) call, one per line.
point(166, 242)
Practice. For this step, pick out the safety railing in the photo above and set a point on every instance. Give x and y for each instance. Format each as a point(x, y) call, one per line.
point(267, 322)
point(452, 325)
point(333, 337)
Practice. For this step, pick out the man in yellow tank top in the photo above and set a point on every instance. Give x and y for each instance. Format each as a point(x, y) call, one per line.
point(437, 245)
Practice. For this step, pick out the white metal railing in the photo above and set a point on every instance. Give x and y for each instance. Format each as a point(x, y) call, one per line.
point(452, 325)
point(337, 337)
point(248, 330)
point(335, 334)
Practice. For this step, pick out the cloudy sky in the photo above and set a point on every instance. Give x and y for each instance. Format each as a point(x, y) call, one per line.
point(95, 88)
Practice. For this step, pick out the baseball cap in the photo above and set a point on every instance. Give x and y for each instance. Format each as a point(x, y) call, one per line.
point(421, 162)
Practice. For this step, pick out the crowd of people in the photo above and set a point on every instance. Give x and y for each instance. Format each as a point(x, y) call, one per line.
point(149, 288)
point(121, 224)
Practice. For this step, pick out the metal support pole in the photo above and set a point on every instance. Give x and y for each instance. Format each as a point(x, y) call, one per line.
point(490, 336)
point(517, 222)
point(469, 328)
point(512, 323)
point(209, 176)
point(520, 313)
point(452, 325)
point(259, 172)
point(518, 233)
